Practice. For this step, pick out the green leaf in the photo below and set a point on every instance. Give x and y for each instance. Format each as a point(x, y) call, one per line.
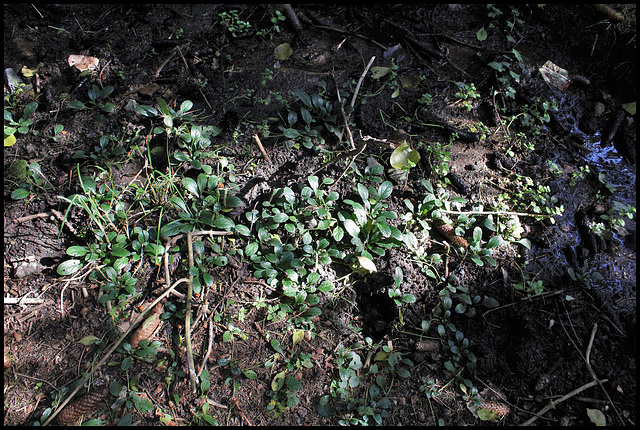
point(76, 104)
point(403, 157)
point(408, 298)
point(191, 186)
point(278, 381)
point(69, 267)
point(291, 133)
point(476, 259)
point(224, 223)
point(402, 372)
point(275, 344)
point(250, 374)
point(524, 242)
point(232, 202)
point(597, 417)
point(304, 97)
point(89, 340)
point(325, 286)
point(481, 34)
point(351, 227)
point(384, 190)
point(282, 51)
point(119, 251)
point(297, 337)
point(494, 242)
point(142, 405)
point(477, 234)
point(171, 229)
point(77, 251)
point(186, 106)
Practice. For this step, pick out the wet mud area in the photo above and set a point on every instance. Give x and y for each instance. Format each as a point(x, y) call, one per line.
point(500, 288)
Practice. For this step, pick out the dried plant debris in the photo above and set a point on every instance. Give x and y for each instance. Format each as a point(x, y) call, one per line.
point(448, 232)
point(148, 327)
point(492, 410)
point(85, 404)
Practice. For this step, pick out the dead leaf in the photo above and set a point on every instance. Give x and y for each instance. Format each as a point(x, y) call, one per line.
point(82, 62)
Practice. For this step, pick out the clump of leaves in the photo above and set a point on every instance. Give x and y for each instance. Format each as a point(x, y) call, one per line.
point(367, 222)
point(21, 125)
point(97, 98)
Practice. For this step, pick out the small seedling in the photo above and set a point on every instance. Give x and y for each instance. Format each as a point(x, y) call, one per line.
point(97, 97)
point(21, 125)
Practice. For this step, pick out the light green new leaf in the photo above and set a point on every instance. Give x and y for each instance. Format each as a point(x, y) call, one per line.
point(481, 35)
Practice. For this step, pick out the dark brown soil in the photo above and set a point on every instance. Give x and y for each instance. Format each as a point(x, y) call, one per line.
point(531, 350)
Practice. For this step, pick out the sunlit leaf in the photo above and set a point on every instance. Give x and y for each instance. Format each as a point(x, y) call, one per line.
point(404, 157)
point(89, 340)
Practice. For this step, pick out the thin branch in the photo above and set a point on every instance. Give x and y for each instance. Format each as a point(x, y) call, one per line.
point(552, 404)
point(490, 213)
point(355, 94)
point(264, 153)
point(187, 323)
point(133, 325)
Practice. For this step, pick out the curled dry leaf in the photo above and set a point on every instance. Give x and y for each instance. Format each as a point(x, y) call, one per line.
point(73, 411)
point(82, 62)
point(148, 326)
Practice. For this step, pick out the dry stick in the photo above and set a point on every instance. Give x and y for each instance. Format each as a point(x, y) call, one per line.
point(187, 323)
point(264, 153)
point(30, 217)
point(490, 213)
point(355, 94)
point(337, 30)
point(552, 404)
point(172, 53)
point(589, 368)
point(209, 347)
point(133, 325)
point(363, 144)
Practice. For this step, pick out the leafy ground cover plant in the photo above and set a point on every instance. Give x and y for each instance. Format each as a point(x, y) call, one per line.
point(21, 125)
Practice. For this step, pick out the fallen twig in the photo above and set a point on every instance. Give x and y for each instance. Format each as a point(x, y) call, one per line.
point(187, 323)
point(355, 93)
point(264, 153)
point(586, 360)
point(22, 301)
point(553, 403)
point(113, 347)
point(337, 30)
point(490, 213)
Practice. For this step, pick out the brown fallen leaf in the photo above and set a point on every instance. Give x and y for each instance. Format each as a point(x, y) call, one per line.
point(83, 62)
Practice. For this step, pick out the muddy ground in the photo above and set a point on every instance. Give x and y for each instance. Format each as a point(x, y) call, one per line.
point(531, 350)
